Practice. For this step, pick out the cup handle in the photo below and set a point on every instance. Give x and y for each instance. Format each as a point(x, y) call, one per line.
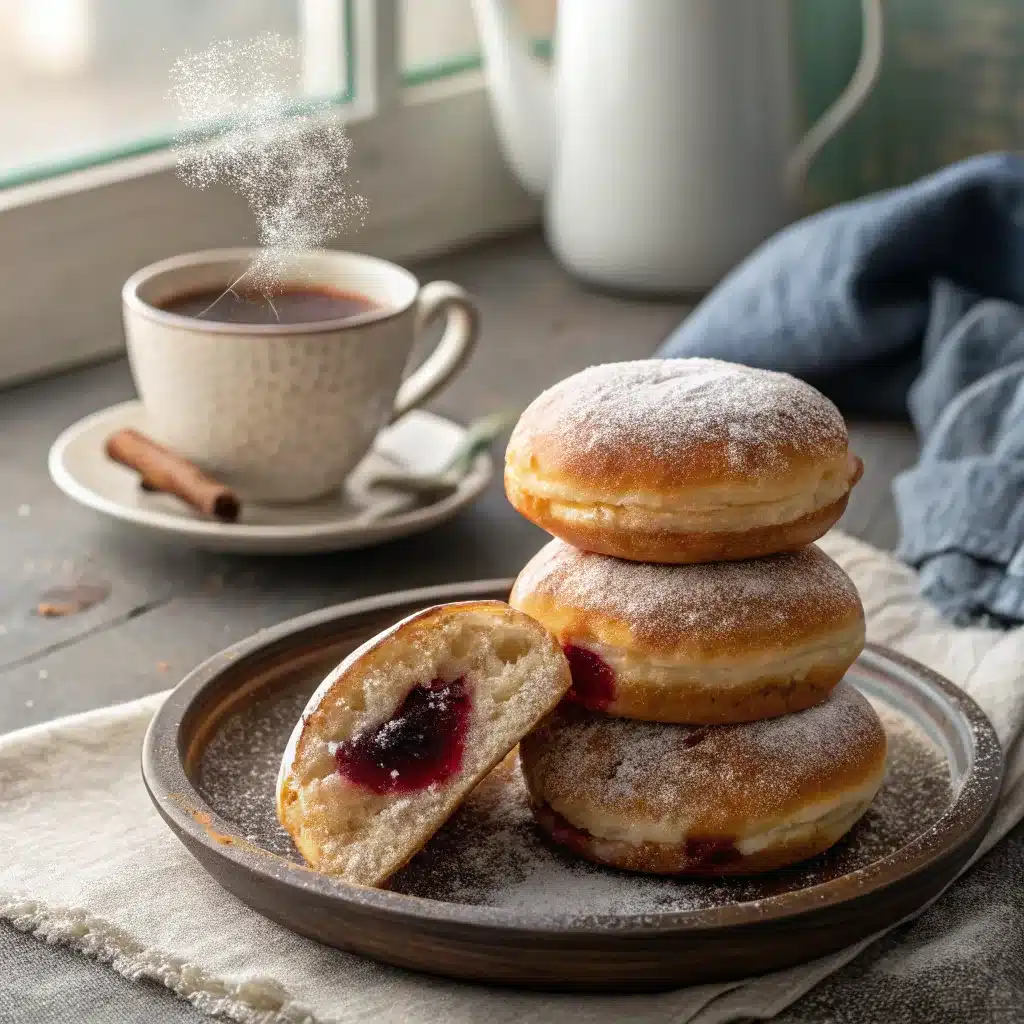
point(461, 330)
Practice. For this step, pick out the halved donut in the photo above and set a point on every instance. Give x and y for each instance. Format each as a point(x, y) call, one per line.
point(702, 644)
point(708, 800)
point(681, 460)
point(398, 735)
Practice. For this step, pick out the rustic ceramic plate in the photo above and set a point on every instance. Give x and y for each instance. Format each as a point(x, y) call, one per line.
point(358, 516)
point(489, 900)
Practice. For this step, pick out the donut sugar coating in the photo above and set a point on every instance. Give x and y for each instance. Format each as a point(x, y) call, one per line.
point(707, 644)
point(681, 460)
point(402, 730)
point(705, 800)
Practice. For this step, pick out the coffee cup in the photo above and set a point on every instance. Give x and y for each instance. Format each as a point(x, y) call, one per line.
point(284, 411)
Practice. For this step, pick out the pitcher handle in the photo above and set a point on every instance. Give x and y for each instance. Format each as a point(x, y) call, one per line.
point(851, 99)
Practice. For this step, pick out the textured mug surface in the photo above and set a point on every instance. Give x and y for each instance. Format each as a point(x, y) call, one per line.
point(284, 412)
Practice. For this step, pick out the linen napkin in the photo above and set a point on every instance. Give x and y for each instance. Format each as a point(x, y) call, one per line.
point(88, 863)
point(911, 300)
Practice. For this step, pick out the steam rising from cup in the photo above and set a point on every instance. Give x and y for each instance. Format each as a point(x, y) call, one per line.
point(238, 125)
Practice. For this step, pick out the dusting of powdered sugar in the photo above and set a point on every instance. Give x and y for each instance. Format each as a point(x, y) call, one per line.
point(757, 771)
point(491, 853)
point(717, 604)
point(239, 769)
point(675, 413)
point(239, 125)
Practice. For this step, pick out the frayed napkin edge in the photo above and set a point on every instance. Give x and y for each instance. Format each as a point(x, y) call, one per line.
point(255, 1000)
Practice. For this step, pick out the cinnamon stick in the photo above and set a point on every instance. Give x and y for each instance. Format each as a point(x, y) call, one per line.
point(163, 470)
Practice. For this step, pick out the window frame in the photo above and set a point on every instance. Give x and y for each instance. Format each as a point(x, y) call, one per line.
point(69, 241)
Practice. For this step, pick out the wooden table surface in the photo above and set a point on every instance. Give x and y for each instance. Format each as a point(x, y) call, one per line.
point(169, 607)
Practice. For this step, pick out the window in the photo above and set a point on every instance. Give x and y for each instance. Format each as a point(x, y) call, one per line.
point(86, 81)
point(88, 191)
point(439, 36)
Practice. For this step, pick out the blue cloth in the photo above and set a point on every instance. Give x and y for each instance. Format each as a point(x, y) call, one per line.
point(909, 301)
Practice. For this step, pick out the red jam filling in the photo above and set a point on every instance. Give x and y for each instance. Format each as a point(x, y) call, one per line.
point(563, 831)
point(420, 745)
point(711, 852)
point(699, 852)
point(593, 681)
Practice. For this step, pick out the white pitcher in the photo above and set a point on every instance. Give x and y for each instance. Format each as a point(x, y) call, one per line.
point(663, 139)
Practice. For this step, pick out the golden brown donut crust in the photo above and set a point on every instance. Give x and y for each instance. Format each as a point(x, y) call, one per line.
point(767, 697)
point(702, 644)
point(681, 460)
point(689, 612)
point(688, 858)
point(665, 425)
point(654, 797)
point(679, 548)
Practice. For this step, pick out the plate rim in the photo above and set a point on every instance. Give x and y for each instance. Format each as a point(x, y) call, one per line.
point(188, 814)
point(470, 487)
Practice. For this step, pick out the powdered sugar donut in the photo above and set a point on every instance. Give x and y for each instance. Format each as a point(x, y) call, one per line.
point(711, 800)
point(681, 460)
point(706, 644)
point(399, 734)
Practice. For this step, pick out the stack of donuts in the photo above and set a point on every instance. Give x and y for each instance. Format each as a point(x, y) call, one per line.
point(671, 665)
point(708, 729)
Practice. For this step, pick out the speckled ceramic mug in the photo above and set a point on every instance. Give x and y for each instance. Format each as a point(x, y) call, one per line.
point(284, 412)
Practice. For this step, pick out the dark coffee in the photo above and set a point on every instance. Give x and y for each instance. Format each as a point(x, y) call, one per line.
point(292, 304)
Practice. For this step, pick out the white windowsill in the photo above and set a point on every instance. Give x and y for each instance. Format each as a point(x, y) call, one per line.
point(428, 163)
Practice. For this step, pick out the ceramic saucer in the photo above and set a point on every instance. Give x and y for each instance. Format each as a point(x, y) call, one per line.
point(356, 517)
